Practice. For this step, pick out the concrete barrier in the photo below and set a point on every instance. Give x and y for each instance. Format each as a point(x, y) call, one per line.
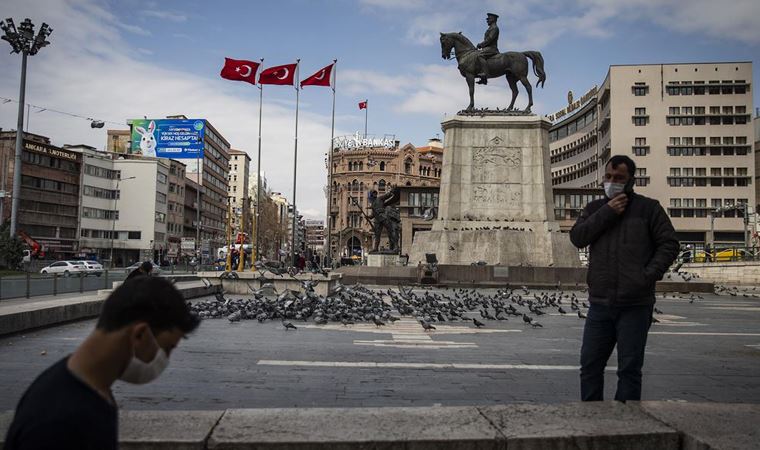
point(498, 276)
point(599, 425)
point(736, 272)
point(27, 315)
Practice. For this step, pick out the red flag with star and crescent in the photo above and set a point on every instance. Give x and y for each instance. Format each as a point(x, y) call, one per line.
point(320, 78)
point(239, 70)
point(282, 75)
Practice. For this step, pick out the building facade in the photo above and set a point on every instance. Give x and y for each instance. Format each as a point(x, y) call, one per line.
point(48, 208)
point(175, 208)
point(239, 199)
point(687, 126)
point(315, 235)
point(358, 170)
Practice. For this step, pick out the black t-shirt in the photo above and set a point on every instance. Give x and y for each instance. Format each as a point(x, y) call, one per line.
point(60, 411)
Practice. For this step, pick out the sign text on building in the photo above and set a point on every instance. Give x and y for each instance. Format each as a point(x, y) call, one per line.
point(168, 138)
point(357, 141)
point(572, 105)
point(49, 150)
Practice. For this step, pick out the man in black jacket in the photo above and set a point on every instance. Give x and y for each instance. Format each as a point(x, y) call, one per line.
point(631, 245)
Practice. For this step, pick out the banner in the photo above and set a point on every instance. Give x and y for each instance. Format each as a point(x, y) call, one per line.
point(168, 138)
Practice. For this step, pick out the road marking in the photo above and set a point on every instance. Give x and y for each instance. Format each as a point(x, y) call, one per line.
point(408, 333)
point(735, 308)
point(706, 333)
point(409, 365)
point(755, 346)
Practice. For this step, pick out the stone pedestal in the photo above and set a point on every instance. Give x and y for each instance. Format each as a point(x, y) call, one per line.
point(495, 203)
point(383, 260)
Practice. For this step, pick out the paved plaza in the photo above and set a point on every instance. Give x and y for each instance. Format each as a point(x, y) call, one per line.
point(705, 350)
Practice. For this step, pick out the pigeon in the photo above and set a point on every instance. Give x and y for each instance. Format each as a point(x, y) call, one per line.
point(426, 326)
point(656, 310)
point(536, 325)
point(561, 311)
point(654, 320)
point(478, 323)
point(581, 315)
point(289, 325)
point(527, 318)
point(206, 283)
point(378, 322)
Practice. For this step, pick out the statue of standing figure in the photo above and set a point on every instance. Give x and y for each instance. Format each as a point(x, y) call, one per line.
point(385, 217)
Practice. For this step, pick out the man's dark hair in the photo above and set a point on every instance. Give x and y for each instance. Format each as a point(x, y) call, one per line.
point(151, 299)
point(147, 266)
point(622, 159)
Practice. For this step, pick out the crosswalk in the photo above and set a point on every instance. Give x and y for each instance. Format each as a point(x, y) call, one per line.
point(408, 333)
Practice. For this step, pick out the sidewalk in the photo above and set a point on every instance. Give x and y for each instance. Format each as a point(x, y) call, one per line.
point(651, 425)
point(23, 314)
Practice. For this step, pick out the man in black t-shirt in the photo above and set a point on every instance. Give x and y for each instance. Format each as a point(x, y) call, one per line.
point(70, 405)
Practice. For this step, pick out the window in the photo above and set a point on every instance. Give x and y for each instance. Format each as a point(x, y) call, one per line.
point(382, 166)
point(381, 186)
point(640, 111)
point(92, 191)
point(408, 166)
point(640, 89)
point(160, 197)
point(161, 177)
point(641, 176)
point(95, 213)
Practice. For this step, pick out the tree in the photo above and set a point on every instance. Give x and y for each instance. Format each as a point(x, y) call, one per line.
point(11, 248)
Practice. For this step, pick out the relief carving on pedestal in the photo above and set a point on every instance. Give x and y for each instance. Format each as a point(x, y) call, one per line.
point(493, 162)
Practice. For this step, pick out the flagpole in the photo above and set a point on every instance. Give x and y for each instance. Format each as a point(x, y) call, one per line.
point(295, 171)
point(257, 256)
point(329, 169)
point(366, 113)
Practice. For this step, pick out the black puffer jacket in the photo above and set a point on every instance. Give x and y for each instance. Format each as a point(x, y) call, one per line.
point(628, 253)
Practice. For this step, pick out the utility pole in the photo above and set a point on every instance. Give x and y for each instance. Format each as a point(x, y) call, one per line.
point(23, 41)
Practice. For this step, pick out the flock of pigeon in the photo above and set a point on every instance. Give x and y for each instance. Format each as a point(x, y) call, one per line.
point(352, 304)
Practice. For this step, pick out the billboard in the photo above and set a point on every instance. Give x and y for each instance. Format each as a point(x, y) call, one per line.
point(168, 138)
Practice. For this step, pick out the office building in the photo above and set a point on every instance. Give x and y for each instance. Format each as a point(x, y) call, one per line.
point(688, 128)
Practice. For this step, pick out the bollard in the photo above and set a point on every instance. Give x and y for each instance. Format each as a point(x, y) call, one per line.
point(55, 284)
point(81, 283)
point(106, 280)
point(28, 283)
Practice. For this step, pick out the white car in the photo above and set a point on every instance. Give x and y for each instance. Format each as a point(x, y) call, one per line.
point(92, 268)
point(66, 268)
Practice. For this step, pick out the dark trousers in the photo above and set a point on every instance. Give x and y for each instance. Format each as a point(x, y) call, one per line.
point(606, 326)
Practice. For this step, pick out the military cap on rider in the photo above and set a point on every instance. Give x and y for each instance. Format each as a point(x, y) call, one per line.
point(492, 15)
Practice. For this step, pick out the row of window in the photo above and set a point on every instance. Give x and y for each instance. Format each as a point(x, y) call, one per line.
point(102, 172)
point(426, 171)
point(108, 234)
point(97, 213)
point(49, 208)
point(98, 192)
point(714, 171)
point(47, 161)
point(690, 207)
point(577, 147)
point(700, 110)
point(714, 87)
point(572, 127)
point(702, 120)
point(49, 185)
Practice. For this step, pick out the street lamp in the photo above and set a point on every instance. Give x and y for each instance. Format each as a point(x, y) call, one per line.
point(23, 41)
point(115, 212)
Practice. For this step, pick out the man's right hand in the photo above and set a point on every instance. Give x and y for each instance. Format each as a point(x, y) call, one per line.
point(618, 203)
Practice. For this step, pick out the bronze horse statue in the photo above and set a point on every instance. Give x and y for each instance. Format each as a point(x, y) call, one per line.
point(512, 64)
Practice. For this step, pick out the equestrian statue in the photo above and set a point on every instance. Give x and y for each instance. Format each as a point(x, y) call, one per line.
point(484, 61)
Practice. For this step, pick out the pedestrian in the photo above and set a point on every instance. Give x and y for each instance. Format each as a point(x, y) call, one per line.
point(632, 244)
point(145, 269)
point(70, 405)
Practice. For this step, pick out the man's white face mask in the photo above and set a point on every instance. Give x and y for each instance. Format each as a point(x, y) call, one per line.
point(140, 372)
point(613, 189)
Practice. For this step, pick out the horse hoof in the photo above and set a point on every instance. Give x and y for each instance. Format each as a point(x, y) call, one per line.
point(527, 110)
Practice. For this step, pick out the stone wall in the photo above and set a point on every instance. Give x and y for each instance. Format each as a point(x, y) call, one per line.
point(742, 273)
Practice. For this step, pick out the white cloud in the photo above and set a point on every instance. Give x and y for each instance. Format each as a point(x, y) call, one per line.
point(89, 69)
point(134, 29)
point(365, 82)
point(395, 4)
point(424, 30)
point(165, 15)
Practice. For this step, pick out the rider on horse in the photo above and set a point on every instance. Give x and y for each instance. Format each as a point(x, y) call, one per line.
point(489, 46)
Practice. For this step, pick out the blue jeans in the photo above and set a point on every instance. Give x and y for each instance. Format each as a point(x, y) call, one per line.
point(606, 326)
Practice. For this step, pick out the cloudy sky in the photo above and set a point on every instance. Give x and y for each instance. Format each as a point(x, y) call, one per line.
point(114, 60)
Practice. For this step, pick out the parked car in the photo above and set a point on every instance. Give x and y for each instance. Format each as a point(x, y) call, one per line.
point(93, 268)
point(66, 268)
point(156, 268)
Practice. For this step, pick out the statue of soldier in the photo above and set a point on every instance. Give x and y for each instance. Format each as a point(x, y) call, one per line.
point(385, 217)
point(489, 46)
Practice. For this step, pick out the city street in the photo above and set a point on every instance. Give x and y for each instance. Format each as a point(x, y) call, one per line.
point(708, 350)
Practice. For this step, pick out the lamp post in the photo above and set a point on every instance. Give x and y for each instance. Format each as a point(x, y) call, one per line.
point(23, 41)
point(115, 212)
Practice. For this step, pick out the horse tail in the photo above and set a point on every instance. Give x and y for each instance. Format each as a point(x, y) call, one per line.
point(538, 66)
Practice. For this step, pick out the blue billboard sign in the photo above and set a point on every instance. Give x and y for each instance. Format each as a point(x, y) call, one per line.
point(168, 138)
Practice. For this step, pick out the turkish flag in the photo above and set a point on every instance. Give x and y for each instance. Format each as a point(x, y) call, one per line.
point(282, 75)
point(321, 78)
point(363, 105)
point(239, 70)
